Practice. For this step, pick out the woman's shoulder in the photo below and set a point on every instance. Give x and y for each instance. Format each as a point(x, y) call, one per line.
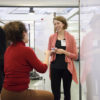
point(53, 35)
point(28, 49)
point(70, 35)
point(29, 52)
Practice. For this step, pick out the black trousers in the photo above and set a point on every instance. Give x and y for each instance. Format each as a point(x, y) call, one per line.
point(56, 76)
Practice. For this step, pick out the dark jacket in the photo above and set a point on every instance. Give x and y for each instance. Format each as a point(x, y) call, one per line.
point(2, 50)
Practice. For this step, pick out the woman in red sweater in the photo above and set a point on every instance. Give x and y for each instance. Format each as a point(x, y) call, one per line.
point(19, 60)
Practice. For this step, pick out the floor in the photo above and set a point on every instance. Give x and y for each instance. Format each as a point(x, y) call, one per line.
point(44, 84)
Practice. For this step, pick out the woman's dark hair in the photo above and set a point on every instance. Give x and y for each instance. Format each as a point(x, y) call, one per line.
point(61, 19)
point(2, 42)
point(14, 31)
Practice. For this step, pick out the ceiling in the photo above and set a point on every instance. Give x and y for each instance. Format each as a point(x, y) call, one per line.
point(39, 2)
point(22, 13)
point(39, 10)
point(9, 13)
point(11, 9)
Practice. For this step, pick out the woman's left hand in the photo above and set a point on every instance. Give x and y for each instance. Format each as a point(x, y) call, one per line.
point(60, 51)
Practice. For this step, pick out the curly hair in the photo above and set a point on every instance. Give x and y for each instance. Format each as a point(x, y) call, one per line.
point(14, 31)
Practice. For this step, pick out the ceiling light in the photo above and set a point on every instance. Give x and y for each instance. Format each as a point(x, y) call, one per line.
point(31, 10)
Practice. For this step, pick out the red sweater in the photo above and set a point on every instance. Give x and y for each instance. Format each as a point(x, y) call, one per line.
point(18, 62)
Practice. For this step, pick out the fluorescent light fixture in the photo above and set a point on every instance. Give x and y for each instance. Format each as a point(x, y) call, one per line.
point(31, 10)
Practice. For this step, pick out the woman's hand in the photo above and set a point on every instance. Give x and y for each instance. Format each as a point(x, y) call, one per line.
point(53, 51)
point(60, 51)
point(47, 54)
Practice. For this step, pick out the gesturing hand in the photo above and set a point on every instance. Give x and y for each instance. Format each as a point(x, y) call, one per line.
point(60, 51)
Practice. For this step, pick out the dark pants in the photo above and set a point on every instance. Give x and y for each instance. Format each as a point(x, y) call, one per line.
point(56, 76)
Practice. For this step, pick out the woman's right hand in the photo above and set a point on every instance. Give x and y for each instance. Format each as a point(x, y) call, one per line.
point(47, 54)
point(53, 51)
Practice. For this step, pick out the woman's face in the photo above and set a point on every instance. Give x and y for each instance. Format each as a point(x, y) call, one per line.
point(58, 26)
point(25, 37)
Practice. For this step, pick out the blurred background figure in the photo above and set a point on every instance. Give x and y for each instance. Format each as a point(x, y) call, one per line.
point(90, 63)
point(2, 51)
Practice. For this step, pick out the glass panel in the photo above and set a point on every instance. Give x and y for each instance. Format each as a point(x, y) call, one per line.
point(40, 27)
point(90, 49)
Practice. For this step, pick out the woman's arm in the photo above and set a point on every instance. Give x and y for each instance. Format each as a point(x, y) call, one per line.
point(47, 55)
point(35, 63)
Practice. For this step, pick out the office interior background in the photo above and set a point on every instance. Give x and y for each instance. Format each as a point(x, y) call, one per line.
point(83, 18)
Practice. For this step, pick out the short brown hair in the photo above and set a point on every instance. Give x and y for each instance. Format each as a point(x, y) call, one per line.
point(61, 19)
point(14, 31)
